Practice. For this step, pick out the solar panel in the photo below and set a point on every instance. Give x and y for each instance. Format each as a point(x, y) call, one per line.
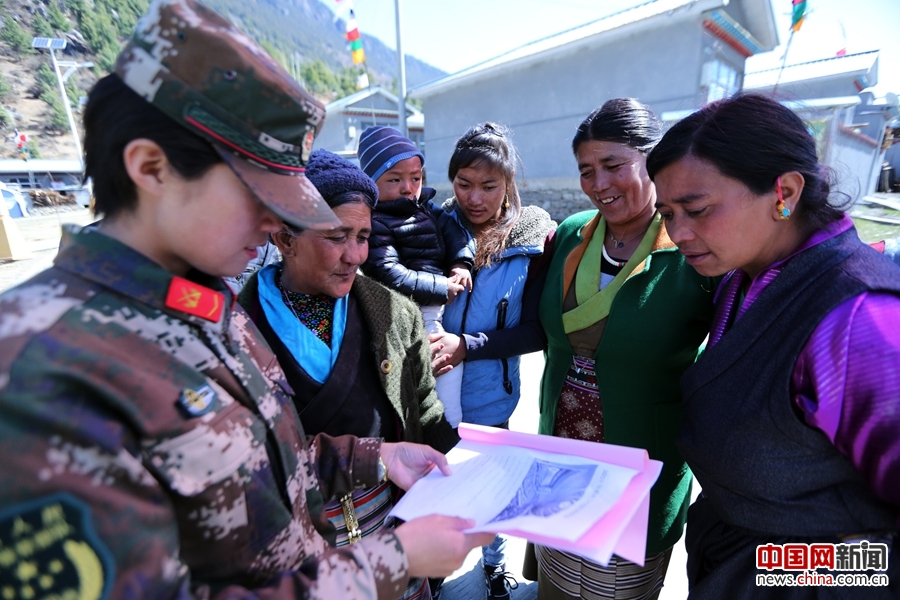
point(54, 43)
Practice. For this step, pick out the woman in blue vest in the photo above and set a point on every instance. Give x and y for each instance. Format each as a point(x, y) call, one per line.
point(497, 322)
point(792, 413)
point(624, 317)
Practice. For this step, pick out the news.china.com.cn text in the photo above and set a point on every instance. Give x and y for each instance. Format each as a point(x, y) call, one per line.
point(812, 561)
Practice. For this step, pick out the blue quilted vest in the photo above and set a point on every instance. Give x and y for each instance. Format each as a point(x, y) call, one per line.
point(490, 388)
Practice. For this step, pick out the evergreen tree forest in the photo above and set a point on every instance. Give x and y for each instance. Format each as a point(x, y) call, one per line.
point(307, 42)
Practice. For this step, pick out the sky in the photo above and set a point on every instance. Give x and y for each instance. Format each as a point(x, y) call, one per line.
point(455, 34)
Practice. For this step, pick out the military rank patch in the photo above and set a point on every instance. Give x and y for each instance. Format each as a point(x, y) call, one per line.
point(49, 549)
point(194, 299)
point(197, 402)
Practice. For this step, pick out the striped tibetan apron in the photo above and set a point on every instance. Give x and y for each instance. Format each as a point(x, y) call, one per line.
point(362, 513)
point(563, 575)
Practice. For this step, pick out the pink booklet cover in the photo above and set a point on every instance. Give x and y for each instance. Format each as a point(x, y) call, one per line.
point(622, 530)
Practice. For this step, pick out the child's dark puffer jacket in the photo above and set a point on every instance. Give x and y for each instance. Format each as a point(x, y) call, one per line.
point(413, 245)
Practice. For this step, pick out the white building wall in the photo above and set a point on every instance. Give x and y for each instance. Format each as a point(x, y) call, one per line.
point(544, 103)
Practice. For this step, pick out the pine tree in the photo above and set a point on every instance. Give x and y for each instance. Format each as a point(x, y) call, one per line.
point(347, 82)
point(46, 79)
point(34, 150)
point(5, 88)
point(15, 36)
point(98, 29)
point(105, 60)
point(57, 17)
point(318, 78)
point(127, 13)
point(41, 27)
point(275, 53)
point(74, 94)
point(77, 8)
point(58, 118)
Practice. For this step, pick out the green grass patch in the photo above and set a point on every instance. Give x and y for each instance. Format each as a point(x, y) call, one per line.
point(871, 231)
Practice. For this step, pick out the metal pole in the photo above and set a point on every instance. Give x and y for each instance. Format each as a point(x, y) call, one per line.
point(65, 99)
point(401, 82)
point(783, 62)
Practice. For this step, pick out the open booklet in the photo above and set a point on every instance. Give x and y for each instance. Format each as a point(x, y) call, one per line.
point(587, 498)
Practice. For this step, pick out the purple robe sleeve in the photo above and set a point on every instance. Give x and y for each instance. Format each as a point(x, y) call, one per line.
point(846, 382)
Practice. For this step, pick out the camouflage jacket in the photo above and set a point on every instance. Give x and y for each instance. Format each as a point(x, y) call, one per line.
point(154, 451)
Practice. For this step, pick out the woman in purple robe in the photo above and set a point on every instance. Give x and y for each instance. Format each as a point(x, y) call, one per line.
point(792, 423)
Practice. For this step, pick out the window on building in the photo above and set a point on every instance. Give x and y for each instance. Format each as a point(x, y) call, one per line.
point(720, 79)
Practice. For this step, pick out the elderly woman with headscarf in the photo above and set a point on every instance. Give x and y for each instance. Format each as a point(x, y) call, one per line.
point(354, 352)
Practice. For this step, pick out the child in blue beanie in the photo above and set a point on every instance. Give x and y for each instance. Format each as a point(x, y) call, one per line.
point(415, 247)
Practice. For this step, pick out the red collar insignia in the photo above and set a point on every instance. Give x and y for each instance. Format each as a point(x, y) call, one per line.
point(194, 299)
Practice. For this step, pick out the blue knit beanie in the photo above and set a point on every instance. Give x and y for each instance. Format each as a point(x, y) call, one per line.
point(380, 148)
point(333, 175)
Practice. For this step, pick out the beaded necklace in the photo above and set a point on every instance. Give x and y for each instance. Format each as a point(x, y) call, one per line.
point(611, 260)
point(316, 312)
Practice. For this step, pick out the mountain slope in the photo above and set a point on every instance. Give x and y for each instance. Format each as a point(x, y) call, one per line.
point(308, 28)
point(291, 29)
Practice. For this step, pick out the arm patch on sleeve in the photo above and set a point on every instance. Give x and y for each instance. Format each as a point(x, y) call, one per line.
point(48, 548)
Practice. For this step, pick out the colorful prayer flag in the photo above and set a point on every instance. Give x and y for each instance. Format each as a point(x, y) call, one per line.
point(342, 8)
point(354, 41)
point(843, 50)
point(798, 14)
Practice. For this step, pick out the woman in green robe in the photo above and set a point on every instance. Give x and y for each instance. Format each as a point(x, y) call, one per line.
point(624, 317)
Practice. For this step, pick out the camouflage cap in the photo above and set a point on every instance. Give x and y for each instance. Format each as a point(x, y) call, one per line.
point(199, 69)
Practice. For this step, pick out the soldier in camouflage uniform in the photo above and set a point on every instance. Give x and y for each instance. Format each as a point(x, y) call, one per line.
point(150, 446)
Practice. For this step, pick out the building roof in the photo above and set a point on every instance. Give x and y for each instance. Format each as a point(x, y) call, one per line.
point(674, 116)
point(761, 25)
point(40, 166)
point(415, 119)
point(850, 66)
point(347, 102)
point(721, 25)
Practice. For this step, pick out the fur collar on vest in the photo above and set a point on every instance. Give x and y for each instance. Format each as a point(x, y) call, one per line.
point(530, 230)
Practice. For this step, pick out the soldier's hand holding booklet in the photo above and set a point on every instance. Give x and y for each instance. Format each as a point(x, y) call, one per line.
point(587, 498)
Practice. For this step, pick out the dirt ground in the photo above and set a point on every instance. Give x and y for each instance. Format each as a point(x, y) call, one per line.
point(42, 235)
